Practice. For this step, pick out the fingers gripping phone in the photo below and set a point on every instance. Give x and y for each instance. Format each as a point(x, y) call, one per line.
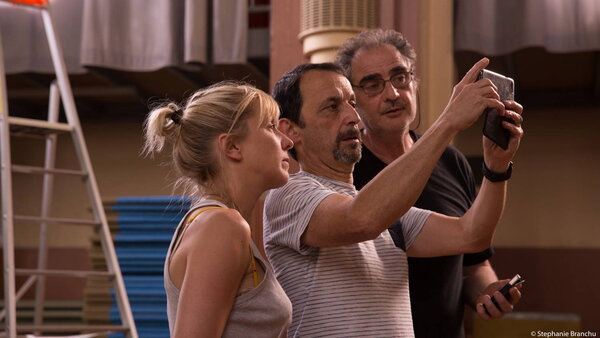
point(516, 280)
point(492, 127)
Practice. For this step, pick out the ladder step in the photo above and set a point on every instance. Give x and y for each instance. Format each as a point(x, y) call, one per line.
point(22, 126)
point(65, 273)
point(26, 169)
point(76, 328)
point(56, 220)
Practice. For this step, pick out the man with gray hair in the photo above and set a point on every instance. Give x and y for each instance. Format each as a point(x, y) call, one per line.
point(439, 286)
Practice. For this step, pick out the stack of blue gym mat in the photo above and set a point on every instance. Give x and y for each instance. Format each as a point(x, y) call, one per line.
point(142, 229)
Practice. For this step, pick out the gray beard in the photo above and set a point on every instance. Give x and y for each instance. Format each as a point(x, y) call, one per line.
point(349, 156)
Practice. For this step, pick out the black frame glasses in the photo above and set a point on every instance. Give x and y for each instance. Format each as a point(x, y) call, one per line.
point(375, 86)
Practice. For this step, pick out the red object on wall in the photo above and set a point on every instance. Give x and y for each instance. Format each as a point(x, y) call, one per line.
point(31, 2)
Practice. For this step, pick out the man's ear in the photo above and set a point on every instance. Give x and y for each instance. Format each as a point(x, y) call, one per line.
point(289, 129)
point(229, 146)
point(416, 122)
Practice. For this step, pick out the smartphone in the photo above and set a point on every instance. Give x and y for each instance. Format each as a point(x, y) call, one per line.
point(492, 127)
point(516, 280)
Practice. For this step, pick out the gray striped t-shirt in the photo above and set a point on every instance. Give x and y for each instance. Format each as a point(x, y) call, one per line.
point(347, 291)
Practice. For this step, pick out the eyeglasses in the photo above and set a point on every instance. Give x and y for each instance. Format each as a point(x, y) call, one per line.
point(375, 86)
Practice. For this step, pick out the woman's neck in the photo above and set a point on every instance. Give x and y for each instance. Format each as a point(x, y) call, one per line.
point(242, 201)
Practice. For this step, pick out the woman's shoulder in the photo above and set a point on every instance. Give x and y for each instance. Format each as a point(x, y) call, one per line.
point(219, 224)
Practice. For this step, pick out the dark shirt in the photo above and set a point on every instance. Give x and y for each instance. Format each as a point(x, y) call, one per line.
point(435, 283)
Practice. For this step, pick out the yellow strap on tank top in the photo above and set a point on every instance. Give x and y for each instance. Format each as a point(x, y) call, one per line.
point(201, 211)
point(252, 259)
point(254, 272)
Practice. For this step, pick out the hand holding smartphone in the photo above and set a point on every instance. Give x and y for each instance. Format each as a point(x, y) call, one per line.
point(492, 127)
point(516, 280)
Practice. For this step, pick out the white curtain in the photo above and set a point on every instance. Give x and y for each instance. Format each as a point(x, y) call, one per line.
point(196, 12)
point(134, 35)
point(496, 27)
point(24, 39)
point(229, 17)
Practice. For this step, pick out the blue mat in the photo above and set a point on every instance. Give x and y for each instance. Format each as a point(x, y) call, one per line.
point(145, 227)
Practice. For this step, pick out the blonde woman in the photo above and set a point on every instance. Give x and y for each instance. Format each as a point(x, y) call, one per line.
point(227, 149)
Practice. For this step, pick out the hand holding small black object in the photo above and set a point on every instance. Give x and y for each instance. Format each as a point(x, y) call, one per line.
point(516, 280)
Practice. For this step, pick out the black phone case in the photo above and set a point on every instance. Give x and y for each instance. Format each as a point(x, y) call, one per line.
point(492, 127)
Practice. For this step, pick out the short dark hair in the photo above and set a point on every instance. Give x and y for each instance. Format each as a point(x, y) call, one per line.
point(369, 39)
point(286, 91)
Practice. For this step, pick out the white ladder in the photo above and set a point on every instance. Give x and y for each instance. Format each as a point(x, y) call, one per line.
point(59, 90)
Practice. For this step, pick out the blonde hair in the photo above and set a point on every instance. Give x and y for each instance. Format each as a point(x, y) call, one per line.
point(192, 129)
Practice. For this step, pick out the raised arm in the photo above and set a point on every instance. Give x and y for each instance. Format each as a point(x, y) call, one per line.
point(444, 235)
point(340, 220)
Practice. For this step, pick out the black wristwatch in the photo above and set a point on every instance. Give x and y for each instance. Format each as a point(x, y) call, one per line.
point(494, 176)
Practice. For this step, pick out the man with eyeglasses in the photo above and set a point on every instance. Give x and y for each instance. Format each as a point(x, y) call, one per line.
point(329, 245)
point(380, 65)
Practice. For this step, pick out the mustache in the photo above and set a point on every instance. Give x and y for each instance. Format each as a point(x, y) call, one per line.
point(350, 133)
point(394, 105)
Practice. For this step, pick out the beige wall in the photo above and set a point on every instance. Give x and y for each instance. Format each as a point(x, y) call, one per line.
point(114, 146)
point(554, 194)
